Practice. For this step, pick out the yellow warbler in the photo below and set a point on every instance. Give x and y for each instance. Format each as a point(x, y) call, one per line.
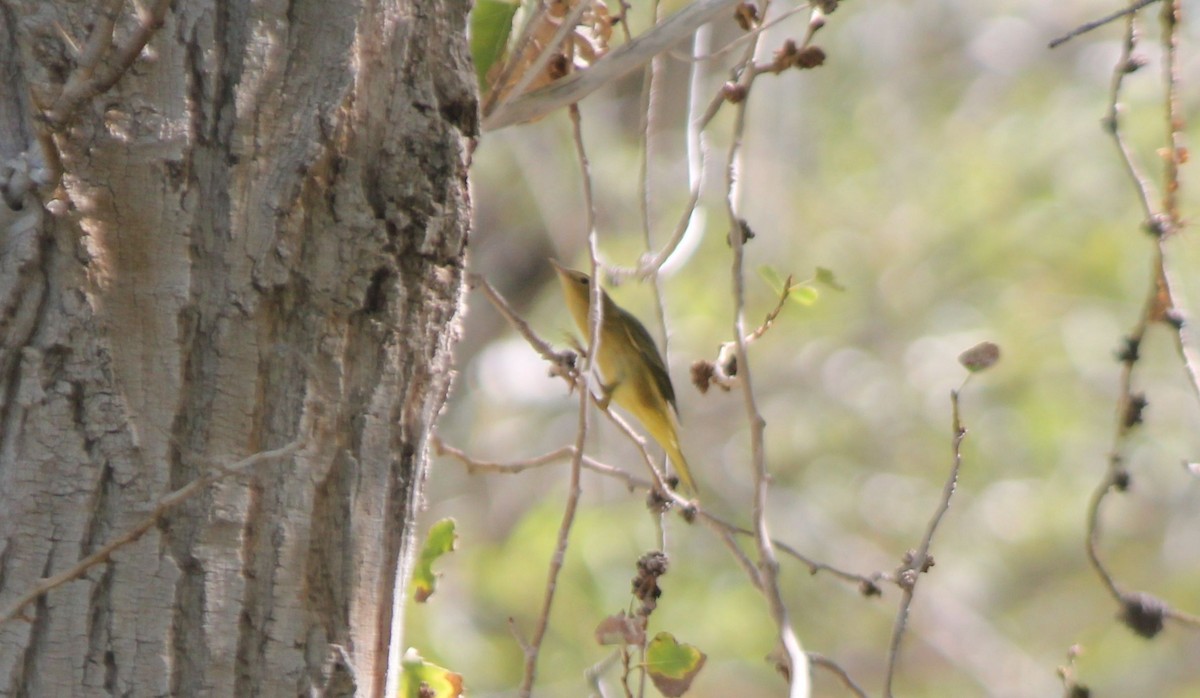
point(636, 377)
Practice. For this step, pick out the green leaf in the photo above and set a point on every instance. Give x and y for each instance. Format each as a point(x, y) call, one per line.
point(825, 277)
point(438, 542)
point(672, 665)
point(772, 277)
point(491, 25)
point(804, 295)
point(420, 679)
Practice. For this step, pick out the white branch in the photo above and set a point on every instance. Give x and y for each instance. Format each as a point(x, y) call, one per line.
point(630, 57)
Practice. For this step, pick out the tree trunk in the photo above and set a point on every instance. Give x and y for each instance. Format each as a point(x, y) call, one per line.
point(249, 233)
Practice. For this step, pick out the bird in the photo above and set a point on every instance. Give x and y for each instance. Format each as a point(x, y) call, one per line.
point(634, 373)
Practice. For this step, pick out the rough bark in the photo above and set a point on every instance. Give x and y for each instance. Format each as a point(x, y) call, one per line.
point(257, 236)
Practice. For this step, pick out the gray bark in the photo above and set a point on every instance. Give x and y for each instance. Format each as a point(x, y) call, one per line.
point(257, 236)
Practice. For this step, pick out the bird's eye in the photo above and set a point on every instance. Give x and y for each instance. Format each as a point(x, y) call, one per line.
point(584, 280)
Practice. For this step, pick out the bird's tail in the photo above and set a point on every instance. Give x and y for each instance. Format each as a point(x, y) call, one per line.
point(681, 465)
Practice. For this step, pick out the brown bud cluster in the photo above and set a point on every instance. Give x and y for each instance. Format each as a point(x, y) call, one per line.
point(650, 567)
point(792, 56)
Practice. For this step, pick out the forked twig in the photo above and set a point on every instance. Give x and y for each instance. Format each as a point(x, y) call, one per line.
point(768, 564)
point(1143, 613)
point(868, 585)
point(836, 669)
point(1096, 24)
point(920, 561)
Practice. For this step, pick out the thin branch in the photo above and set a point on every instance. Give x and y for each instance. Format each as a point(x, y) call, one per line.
point(723, 370)
point(768, 564)
point(533, 649)
point(697, 151)
point(836, 669)
point(574, 491)
point(163, 506)
point(725, 533)
point(541, 346)
point(633, 482)
point(1115, 475)
point(650, 112)
point(770, 319)
point(1162, 304)
point(1096, 24)
point(1175, 153)
point(1184, 342)
point(615, 65)
point(920, 561)
point(867, 584)
point(89, 78)
point(1126, 64)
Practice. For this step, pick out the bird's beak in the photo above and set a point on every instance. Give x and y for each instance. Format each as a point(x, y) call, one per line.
point(562, 271)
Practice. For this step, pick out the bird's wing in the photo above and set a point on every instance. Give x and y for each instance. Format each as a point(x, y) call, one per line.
point(640, 338)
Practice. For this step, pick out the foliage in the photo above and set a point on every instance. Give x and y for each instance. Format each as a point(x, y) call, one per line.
point(421, 679)
point(438, 542)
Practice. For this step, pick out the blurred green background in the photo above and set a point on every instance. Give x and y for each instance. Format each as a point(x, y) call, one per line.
point(952, 172)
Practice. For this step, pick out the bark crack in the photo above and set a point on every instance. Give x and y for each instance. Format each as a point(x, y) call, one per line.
point(34, 648)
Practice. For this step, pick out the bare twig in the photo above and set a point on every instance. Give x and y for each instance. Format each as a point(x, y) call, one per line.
point(1115, 475)
point(1162, 304)
point(919, 562)
point(836, 669)
point(722, 370)
point(1175, 153)
point(1126, 64)
point(725, 533)
point(650, 111)
point(574, 491)
point(541, 346)
point(768, 564)
point(91, 78)
point(1112, 479)
point(533, 649)
point(697, 149)
point(1096, 24)
point(770, 319)
point(473, 465)
point(163, 506)
point(868, 584)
